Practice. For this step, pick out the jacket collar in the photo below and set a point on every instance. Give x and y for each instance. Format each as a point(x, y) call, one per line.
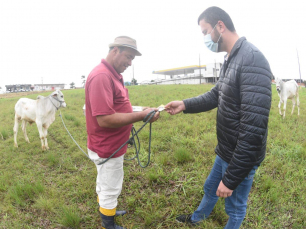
point(236, 47)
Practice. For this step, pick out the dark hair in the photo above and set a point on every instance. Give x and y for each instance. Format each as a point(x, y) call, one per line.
point(121, 48)
point(214, 14)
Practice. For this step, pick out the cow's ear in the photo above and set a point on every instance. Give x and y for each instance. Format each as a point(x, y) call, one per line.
point(54, 95)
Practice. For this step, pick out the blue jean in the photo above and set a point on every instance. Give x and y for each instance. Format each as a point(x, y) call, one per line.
point(235, 205)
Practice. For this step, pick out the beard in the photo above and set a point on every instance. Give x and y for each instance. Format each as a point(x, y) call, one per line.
point(220, 42)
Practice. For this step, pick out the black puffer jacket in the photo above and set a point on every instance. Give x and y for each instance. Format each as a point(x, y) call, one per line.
point(243, 98)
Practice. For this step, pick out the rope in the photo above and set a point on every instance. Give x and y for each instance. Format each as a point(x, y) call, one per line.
point(131, 140)
point(56, 100)
point(72, 137)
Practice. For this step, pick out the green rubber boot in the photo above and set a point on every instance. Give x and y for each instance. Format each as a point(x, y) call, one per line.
point(108, 222)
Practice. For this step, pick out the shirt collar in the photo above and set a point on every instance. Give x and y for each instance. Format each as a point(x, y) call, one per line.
point(112, 70)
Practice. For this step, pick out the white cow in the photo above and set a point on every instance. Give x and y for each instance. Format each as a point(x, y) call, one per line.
point(287, 90)
point(41, 111)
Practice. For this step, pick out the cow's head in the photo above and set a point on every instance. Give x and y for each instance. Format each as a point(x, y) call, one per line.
point(278, 83)
point(58, 95)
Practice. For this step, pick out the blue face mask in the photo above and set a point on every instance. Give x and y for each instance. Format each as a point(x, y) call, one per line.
point(210, 44)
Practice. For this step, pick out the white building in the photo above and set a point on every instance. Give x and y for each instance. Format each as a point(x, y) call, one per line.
point(48, 87)
point(194, 74)
point(18, 87)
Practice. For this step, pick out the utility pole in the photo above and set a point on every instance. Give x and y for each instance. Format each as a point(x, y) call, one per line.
point(200, 67)
point(299, 65)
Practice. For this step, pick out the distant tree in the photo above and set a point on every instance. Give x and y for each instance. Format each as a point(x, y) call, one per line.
point(83, 80)
point(134, 82)
point(127, 83)
point(72, 85)
point(152, 80)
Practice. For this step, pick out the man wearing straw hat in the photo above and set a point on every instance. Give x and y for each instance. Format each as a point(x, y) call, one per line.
point(109, 119)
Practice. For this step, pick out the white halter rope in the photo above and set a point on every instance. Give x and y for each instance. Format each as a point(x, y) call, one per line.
point(56, 100)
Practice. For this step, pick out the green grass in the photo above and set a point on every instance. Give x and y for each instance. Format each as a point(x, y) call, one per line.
point(69, 217)
point(69, 117)
point(56, 188)
point(3, 134)
point(182, 155)
point(22, 194)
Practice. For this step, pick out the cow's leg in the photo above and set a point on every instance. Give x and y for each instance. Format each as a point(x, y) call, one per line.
point(41, 134)
point(285, 104)
point(23, 127)
point(45, 134)
point(279, 107)
point(293, 105)
point(16, 130)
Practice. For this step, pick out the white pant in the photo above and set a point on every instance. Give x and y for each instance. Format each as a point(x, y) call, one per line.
point(109, 179)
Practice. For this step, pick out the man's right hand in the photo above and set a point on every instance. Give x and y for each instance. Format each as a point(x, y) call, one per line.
point(175, 107)
point(148, 110)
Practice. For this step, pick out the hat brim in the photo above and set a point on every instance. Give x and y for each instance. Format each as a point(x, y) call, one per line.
point(129, 46)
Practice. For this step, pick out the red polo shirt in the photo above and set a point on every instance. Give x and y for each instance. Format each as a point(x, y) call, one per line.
point(105, 94)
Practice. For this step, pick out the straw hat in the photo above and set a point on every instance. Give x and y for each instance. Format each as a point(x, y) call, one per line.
point(125, 42)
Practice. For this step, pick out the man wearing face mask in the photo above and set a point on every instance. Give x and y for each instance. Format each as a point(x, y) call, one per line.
point(243, 99)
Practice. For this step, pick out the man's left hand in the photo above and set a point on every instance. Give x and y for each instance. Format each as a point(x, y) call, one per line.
point(223, 191)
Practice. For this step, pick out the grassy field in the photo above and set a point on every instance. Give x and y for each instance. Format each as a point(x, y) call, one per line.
point(56, 188)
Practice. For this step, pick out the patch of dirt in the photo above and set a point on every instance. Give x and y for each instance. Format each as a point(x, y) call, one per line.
point(19, 94)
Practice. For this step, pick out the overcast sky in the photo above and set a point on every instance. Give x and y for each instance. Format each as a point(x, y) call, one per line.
point(58, 41)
